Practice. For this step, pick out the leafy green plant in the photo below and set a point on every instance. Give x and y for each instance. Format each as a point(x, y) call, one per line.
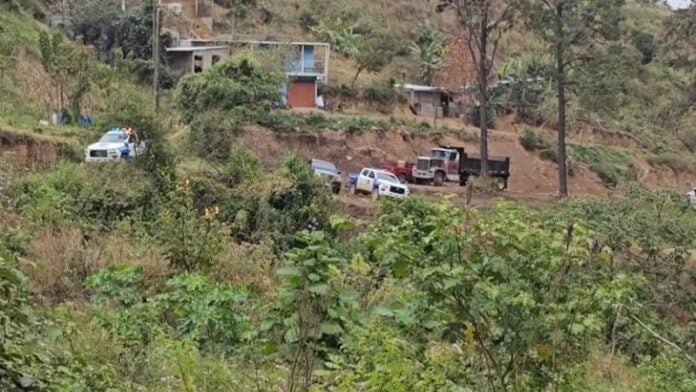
point(506, 285)
point(192, 240)
point(314, 309)
point(120, 285)
point(15, 364)
point(668, 373)
point(428, 48)
point(205, 311)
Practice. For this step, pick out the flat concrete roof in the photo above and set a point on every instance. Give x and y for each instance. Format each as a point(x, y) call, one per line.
point(195, 48)
point(232, 41)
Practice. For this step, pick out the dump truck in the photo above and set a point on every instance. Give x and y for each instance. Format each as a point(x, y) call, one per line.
point(453, 164)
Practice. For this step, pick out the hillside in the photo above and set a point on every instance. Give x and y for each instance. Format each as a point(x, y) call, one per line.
point(212, 257)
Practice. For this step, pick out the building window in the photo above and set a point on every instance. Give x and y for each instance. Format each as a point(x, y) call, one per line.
point(197, 64)
point(215, 59)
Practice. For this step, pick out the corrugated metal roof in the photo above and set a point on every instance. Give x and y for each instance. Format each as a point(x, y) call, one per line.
point(419, 88)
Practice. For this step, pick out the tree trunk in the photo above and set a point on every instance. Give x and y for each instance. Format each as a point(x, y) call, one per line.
point(357, 74)
point(483, 94)
point(562, 103)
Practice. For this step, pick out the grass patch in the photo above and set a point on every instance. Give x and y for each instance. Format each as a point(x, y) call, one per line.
point(610, 164)
point(288, 121)
point(675, 161)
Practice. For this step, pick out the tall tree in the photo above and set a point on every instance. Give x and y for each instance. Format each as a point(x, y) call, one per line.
point(485, 22)
point(572, 29)
point(369, 45)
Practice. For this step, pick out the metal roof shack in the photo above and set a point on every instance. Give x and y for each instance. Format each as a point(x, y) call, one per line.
point(430, 101)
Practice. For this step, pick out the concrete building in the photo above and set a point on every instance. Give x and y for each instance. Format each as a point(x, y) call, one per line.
point(195, 59)
point(306, 63)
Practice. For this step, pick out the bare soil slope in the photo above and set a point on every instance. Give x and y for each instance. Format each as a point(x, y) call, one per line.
point(350, 152)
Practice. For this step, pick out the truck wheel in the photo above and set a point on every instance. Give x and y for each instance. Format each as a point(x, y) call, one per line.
point(439, 179)
point(336, 188)
point(353, 189)
point(375, 194)
point(502, 184)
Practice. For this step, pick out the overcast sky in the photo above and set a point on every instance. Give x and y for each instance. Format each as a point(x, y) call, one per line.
point(678, 3)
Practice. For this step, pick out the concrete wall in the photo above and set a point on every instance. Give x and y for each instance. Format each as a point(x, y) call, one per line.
point(427, 103)
point(185, 61)
point(181, 61)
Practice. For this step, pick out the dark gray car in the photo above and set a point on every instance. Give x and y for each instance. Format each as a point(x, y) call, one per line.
point(329, 173)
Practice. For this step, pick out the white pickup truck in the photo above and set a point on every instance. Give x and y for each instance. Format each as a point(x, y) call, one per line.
point(377, 183)
point(114, 146)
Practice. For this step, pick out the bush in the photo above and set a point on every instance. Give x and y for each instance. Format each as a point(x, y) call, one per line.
point(549, 154)
point(355, 124)
point(668, 373)
point(239, 85)
point(281, 121)
point(191, 240)
point(534, 141)
point(383, 93)
point(94, 196)
point(242, 165)
point(211, 134)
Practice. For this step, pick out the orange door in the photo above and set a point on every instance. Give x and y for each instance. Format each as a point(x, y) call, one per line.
point(301, 94)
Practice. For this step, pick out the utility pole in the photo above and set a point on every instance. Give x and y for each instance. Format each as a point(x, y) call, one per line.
point(156, 53)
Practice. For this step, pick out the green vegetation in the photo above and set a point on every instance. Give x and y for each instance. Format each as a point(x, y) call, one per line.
point(231, 278)
point(680, 163)
point(533, 141)
point(610, 164)
point(207, 273)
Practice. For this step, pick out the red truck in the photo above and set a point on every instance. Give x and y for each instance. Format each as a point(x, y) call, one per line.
point(402, 170)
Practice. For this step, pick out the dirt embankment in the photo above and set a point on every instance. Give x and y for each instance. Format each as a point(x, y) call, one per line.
point(530, 175)
point(31, 152)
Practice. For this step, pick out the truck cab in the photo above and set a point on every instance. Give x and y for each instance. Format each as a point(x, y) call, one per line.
point(442, 165)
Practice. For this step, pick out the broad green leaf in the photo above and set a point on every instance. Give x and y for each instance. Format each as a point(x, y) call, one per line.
point(289, 271)
point(320, 288)
point(331, 328)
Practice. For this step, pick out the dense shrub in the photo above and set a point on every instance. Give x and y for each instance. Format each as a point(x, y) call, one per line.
point(192, 240)
point(98, 196)
point(242, 165)
point(211, 134)
point(383, 93)
point(533, 141)
point(239, 86)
